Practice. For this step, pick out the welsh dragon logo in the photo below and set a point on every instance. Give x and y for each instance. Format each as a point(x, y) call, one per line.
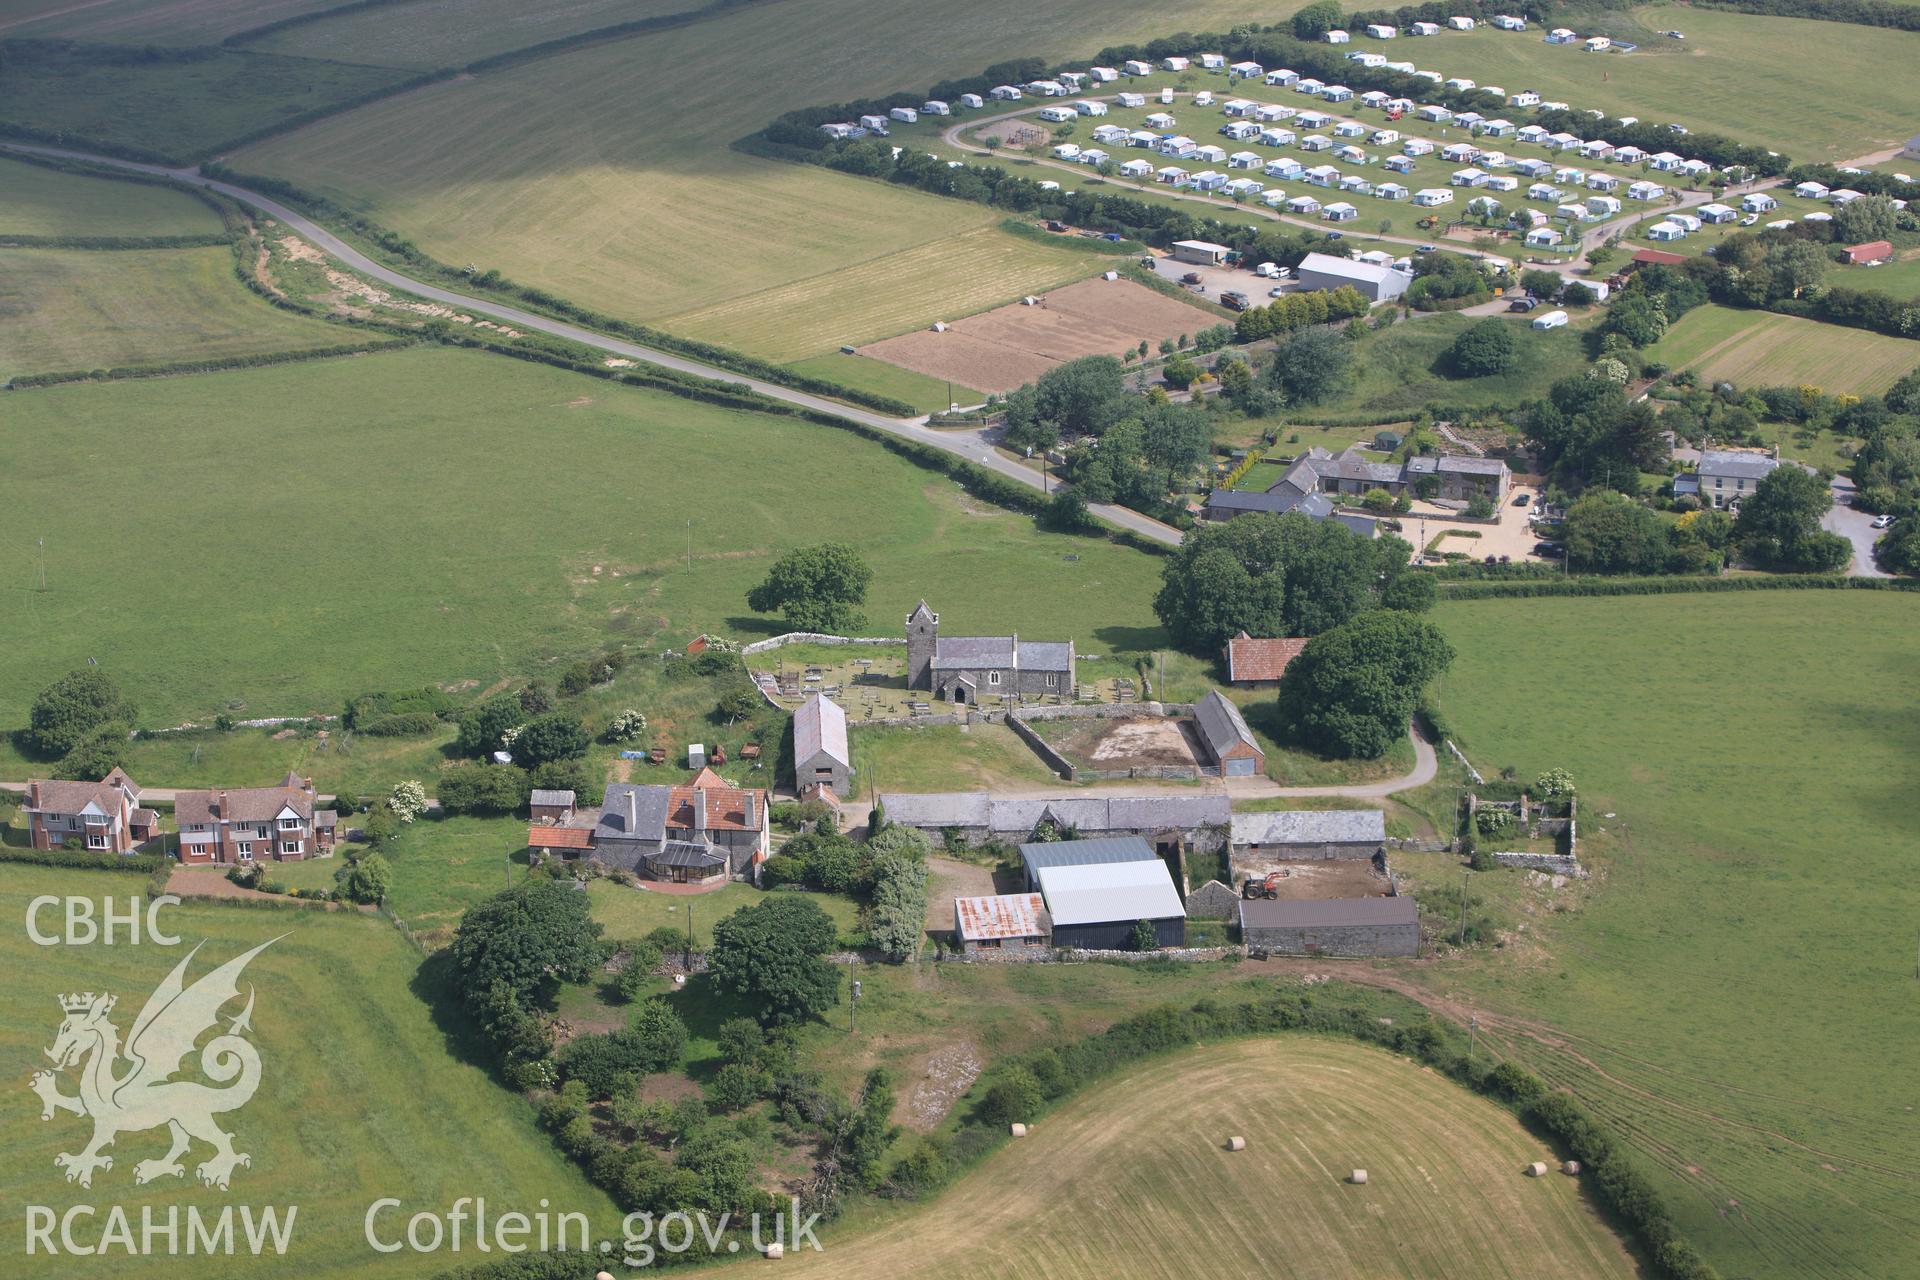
point(132, 1089)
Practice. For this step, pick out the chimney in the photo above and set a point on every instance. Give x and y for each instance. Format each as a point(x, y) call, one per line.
point(699, 808)
point(746, 811)
point(633, 812)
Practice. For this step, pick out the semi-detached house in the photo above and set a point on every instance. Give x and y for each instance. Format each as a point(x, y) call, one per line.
point(103, 816)
point(238, 825)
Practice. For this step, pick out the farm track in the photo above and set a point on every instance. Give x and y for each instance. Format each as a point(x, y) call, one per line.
point(967, 445)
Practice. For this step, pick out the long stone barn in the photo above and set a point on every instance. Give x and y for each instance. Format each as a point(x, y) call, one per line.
point(1193, 823)
point(1332, 927)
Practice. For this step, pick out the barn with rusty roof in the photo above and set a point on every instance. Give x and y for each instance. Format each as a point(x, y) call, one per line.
point(1007, 924)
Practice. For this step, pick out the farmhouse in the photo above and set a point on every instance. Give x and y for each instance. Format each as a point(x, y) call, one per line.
point(1008, 923)
point(1259, 663)
point(1229, 742)
point(1167, 821)
point(820, 755)
point(1311, 835)
point(963, 668)
point(1375, 283)
point(1335, 927)
point(1725, 476)
point(103, 816)
point(231, 827)
point(700, 832)
point(1097, 890)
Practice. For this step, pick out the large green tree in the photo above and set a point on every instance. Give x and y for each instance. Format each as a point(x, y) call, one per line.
point(1350, 692)
point(771, 954)
point(817, 588)
point(1483, 349)
point(557, 735)
point(1588, 432)
point(1316, 19)
point(73, 709)
point(483, 728)
point(1079, 398)
point(1311, 365)
point(1779, 523)
point(1271, 575)
point(535, 934)
point(1608, 532)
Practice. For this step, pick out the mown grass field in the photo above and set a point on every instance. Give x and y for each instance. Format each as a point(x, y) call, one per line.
point(363, 1094)
point(426, 34)
point(1403, 369)
point(1131, 1178)
point(417, 516)
point(606, 174)
point(182, 109)
point(71, 309)
point(37, 201)
point(928, 395)
point(1757, 348)
point(956, 277)
point(1742, 975)
point(630, 913)
point(1901, 277)
point(165, 22)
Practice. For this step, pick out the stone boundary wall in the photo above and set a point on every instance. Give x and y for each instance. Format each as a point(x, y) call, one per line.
point(1418, 846)
point(1465, 763)
point(1563, 863)
point(1038, 745)
point(814, 637)
point(1070, 955)
point(1107, 711)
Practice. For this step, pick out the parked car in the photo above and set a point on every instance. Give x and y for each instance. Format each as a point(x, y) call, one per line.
point(1426, 248)
point(1549, 550)
point(1234, 300)
point(1521, 499)
point(1277, 291)
point(1883, 522)
point(1192, 277)
point(1522, 304)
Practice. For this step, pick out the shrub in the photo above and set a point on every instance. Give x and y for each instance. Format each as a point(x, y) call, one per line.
point(75, 708)
point(407, 724)
point(1554, 784)
point(407, 800)
point(1014, 1099)
point(483, 788)
point(627, 726)
point(558, 735)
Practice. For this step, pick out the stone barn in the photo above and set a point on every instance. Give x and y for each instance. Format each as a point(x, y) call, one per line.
point(1307, 834)
point(1229, 742)
point(820, 754)
point(1332, 927)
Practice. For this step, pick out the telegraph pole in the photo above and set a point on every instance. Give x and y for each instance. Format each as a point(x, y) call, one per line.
point(1466, 879)
point(853, 1013)
point(1473, 1025)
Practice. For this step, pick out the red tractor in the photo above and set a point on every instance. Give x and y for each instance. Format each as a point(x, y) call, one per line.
point(1267, 886)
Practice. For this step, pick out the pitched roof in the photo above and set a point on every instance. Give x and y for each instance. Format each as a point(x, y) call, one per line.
point(1076, 853)
point(1311, 826)
point(1736, 463)
point(56, 795)
point(957, 653)
point(1269, 913)
point(542, 837)
point(1347, 268)
point(1252, 659)
point(1658, 257)
point(242, 804)
point(1102, 893)
point(1011, 915)
point(727, 806)
point(551, 799)
point(820, 725)
point(1018, 816)
point(689, 853)
point(1221, 725)
point(631, 811)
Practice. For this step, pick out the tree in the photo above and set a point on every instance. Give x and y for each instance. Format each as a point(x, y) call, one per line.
point(770, 953)
point(1311, 365)
point(1868, 218)
point(1899, 551)
point(1181, 372)
point(1586, 431)
point(1350, 692)
point(1269, 575)
point(1067, 512)
point(365, 879)
point(1544, 285)
point(740, 702)
point(1318, 18)
point(1079, 398)
point(1779, 523)
point(74, 708)
point(522, 941)
point(95, 757)
point(407, 800)
point(899, 878)
point(1142, 936)
point(816, 588)
point(557, 735)
point(572, 775)
point(483, 788)
point(1409, 593)
point(1609, 532)
point(483, 729)
point(1014, 1099)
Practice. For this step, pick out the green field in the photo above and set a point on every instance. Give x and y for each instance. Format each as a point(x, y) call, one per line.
point(1402, 369)
point(630, 913)
point(1759, 349)
point(436, 528)
point(182, 108)
point(167, 22)
point(425, 34)
point(37, 201)
point(606, 174)
point(1901, 277)
point(363, 1094)
point(1742, 974)
point(928, 395)
point(68, 309)
point(1143, 1155)
point(963, 274)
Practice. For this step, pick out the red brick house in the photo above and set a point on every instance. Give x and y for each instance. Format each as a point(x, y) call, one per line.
point(103, 816)
point(249, 824)
point(1257, 664)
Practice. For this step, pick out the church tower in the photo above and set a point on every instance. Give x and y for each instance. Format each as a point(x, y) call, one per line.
point(923, 630)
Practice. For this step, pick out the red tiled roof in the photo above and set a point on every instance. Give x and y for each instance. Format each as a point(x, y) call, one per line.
point(1250, 659)
point(1871, 251)
point(1659, 257)
point(559, 838)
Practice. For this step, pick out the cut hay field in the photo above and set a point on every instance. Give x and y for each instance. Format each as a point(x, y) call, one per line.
point(37, 201)
point(68, 309)
point(1756, 349)
point(1742, 974)
point(183, 107)
point(1131, 1178)
point(425, 34)
point(1723, 78)
point(945, 280)
point(606, 174)
point(166, 22)
point(347, 1038)
point(417, 516)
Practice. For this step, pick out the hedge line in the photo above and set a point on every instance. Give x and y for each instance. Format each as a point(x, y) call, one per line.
point(99, 146)
point(207, 241)
point(1670, 586)
point(145, 864)
point(302, 19)
point(1865, 13)
point(491, 282)
point(25, 381)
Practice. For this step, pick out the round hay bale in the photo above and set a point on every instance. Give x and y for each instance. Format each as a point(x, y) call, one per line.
point(603, 1275)
point(1017, 1129)
point(1571, 1168)
point(1358, 1177)
point(776, 1250)
point(1537, 1169)
point(1236, 1143)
